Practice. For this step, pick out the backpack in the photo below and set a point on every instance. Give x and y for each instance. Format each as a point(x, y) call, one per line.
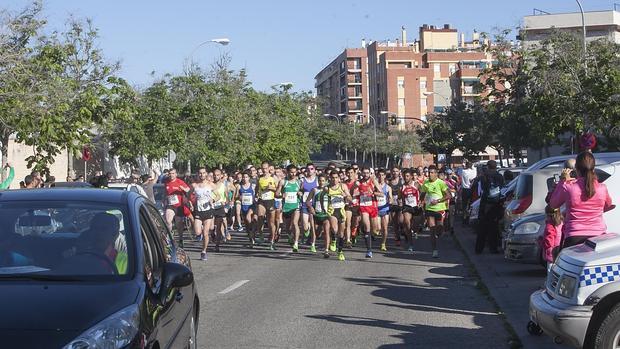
point(491, 189)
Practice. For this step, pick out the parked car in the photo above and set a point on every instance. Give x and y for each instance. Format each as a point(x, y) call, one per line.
point(159, 191)
point(71, 185)
point(136, 188)
point(507, 192)
point(521, 238)
point(92, 268)
point(579, 305)
point(558, 161)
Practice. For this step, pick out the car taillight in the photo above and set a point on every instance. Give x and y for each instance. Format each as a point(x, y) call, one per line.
point(524, 204)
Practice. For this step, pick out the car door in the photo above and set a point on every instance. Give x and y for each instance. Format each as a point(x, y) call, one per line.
point(178, 302)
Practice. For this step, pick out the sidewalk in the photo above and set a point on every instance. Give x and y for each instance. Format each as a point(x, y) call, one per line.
point(510, 285)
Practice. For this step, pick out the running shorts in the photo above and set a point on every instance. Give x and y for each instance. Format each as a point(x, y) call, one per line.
point(289, 214)
point(267, 204)
point(438, 215)
point(339, 215)
point(219, 212)
point(178, 210)
point(372, 211)
point(416, 211)
point(203, 215)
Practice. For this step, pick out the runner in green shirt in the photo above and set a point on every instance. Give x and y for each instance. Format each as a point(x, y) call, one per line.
point(435, 195)
point(289, 190)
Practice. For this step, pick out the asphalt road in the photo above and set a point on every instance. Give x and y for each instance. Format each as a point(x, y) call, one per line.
point(276, 299)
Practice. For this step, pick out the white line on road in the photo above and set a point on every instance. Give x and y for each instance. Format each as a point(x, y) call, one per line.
point(233, 286)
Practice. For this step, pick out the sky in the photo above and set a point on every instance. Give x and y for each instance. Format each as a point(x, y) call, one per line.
point(276, 41)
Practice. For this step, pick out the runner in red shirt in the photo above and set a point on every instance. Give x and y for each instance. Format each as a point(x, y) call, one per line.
point(176, 191)
point(412, 212)
point(369, 189)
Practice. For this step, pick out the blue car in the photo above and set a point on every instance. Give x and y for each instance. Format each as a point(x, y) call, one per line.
point(92, 268)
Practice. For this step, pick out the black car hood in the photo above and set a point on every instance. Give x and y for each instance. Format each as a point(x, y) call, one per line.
point(51, 314)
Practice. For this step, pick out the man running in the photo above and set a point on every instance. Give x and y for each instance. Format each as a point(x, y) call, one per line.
point(245, 194)
point(352, 208)
point(317, 203)
point(278, 175)
point(383, 203)
point(413, 217)
point(369, 191)
point(265, 205)
point(203, 209)
point(436, 195)
point(396, 215)
point(289, 189)
point(308, 183)
point(176, 191)
point(220, 200)
point(339, 196)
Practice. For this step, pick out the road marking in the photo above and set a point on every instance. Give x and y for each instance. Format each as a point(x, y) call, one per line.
point(234, 286)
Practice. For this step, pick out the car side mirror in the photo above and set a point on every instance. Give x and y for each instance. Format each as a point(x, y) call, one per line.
point(177, 275)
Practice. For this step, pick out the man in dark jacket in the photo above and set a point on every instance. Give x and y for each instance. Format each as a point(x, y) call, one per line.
point(491, 209)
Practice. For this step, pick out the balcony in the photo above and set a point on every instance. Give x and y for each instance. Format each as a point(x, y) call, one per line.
point(354, 80)
point(470, 90)
point(468, 73)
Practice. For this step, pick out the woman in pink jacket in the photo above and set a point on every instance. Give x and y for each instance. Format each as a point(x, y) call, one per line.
point(585, 198)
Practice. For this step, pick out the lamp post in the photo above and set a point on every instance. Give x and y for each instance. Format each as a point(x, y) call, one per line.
point(339, 121)
point(220, 41)
point(374, 122)
point(447, 100)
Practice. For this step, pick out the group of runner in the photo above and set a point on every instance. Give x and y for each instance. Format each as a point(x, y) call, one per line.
point(336, 205)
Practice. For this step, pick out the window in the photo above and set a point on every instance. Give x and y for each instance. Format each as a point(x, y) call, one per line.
point(401, 102)
point(437, 68)
point(422, 84)
point(423, 102)
point(164, 235)
point(401, 83)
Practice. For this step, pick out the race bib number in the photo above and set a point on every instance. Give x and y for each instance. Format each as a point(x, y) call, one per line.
point(218, 204)
point(173, 200)
point(430, 198)
point(411, 200)
point(290, 198)
point(337, 202)
point(382, 201)
point(246, 199)
point(318, 208)
point(305, 197)
point(203, 204)
point(365, 200)
point(267, 195)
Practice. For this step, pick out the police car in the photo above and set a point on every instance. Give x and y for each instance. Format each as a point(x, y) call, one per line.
point(580, 304)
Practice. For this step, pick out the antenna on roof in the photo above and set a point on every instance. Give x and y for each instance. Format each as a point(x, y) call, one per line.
point(540, 12)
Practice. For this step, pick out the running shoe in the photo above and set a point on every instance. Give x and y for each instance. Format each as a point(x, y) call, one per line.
point(306, 233)
point(312, 248)
point(273, 247)
point(326, 254)
point(410, 249)
point(277, 237)
point(383, 247)
point(435, 254)
point(332, 246)
point(354, 240)
point(369, 254)
point(203, 256)
point(228, 236)
point(348, 244)
point(341, 256)
point(290, 239)
point(295, 247)
point(376, 233)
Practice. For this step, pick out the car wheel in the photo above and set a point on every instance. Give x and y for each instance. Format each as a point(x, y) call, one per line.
point(608, 334)
point(192, 343)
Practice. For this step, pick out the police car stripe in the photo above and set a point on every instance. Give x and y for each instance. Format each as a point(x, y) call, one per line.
point(598, 275)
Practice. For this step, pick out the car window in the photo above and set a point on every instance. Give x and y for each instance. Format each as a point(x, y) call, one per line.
point(524, 186)
point(82, 240)
point(161, 230)
point(153, 259)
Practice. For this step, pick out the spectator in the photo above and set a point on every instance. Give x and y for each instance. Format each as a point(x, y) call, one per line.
point(50, 182)
point(38, 180)
point(162, 178)
point(147, 185)
point(467, 178)
point(490, 211)
point(80, 178)
point(30, 182)
point(552, 234)
point(7, 182)
point(69, 179)
point(585, 200)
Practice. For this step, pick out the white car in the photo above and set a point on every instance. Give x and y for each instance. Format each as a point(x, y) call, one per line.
point(580, 304)
point(128, 187)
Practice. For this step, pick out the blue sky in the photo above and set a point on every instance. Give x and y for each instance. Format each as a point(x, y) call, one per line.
point(275, 40)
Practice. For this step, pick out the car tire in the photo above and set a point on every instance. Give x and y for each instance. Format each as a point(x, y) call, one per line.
point(193, 327)
point(608, 333)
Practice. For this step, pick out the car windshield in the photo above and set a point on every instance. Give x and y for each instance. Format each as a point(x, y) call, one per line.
point(524, 186)
point(64, 240)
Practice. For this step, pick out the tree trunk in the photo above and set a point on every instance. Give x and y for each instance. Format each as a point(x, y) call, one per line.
point(70, 164)
point(499, 153)
point(5, 153)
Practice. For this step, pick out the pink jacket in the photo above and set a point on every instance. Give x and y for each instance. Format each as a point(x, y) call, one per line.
point(582, 217)
point(551, 239)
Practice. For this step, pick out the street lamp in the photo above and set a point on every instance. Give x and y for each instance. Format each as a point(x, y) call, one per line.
point(221, 41)
point(447, 100)
point(374, 121)
point(583, 27)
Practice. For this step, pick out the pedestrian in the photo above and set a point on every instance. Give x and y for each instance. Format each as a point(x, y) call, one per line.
point(467, 178)
point(585, 200)
point(147, 183)
point(490, 211)
point(552, 235)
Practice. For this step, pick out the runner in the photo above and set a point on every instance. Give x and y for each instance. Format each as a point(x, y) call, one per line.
point(352, 209)
point(203, 209)
point(396, 215)
point(338, 195)
point(237, 201)
point(413, 217)
point(245, 195)
point(289, 190)
point(369, 191)
point(220, 200)
point(278, 175)
point(176, 191)
point(307, 185)
point(317, 203)
point(435, 194)
point(383, 203)
point(265, 205)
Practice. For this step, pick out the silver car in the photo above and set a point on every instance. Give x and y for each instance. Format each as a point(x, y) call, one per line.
point(522, 242)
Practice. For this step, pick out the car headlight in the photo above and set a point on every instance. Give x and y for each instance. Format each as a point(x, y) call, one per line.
point(116, 331)
point(527, 228)
point(566, 286)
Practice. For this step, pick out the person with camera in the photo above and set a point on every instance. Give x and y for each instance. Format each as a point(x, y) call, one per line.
point(491, 207)
point(585, 200)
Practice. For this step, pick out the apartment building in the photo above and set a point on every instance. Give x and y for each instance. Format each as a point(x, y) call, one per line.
point(342, 85)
